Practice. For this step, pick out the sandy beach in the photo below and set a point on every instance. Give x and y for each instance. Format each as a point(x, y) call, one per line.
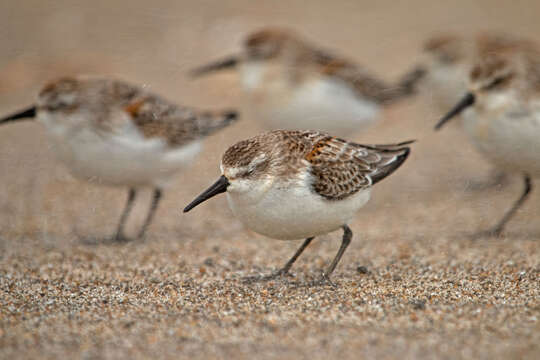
point(413, 284)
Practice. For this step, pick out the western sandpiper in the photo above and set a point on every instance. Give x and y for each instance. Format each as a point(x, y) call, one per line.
point(111, 132)
point(445, 66)
point(292, 185)
point(448, 58)
point(292, 84)
point(503, 120)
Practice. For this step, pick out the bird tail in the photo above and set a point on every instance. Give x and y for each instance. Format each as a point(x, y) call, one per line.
point(406, 86)
point(210, 122)
point(392, 157)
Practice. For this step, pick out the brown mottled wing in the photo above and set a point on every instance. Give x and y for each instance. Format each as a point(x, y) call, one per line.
point(341, 168)
point(156, 117)
point(365, 84)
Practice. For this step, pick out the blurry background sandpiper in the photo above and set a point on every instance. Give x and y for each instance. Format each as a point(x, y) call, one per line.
point(110, 132)
point(292, 84)
point(446, 63)
point(501, 115)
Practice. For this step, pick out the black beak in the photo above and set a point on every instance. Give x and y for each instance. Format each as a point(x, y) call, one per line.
point(464, 103)
point(223, 64)
point(218, 187)
point(23, 114)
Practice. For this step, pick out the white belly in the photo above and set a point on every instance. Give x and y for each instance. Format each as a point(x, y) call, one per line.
point(320, 103)
point(124, 159)
point(291, 212)
point(511, 140)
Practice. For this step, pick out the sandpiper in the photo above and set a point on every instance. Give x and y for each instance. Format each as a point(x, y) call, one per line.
point(445, 65)
point(111, 132)
point(503, 120)
point(292, 185)
point(447, 60)
point(292, 84)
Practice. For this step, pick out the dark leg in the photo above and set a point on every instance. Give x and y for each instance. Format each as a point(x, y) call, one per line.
point(151, 212)
point(347, 236)
point(284, 270)
point(129, 205)
point(498, 229)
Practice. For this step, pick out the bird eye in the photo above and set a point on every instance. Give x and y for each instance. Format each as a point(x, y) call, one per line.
point(497, 82)
point(57, 106)
point(447, 59)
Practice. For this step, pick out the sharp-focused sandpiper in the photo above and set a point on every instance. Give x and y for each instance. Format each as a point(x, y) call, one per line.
point(292, 84)
point(111, 132)
point(292, 185)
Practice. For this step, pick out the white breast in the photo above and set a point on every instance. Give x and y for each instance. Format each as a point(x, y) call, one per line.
point(509, 137)
point(319, 103)
point(123, 157)
point(290, 210)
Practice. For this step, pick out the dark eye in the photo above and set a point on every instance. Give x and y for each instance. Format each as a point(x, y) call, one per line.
point(497, 82)
point(256, 53)
point(447, 59)
point(57, 106)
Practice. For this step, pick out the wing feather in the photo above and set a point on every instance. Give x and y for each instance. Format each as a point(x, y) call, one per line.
point(341, 169)
point(364, 83)
point(155, 116)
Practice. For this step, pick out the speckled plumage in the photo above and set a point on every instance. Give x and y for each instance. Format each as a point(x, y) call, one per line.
point(154, 116)
point(339, 168)
point(303, 57)
point(293, 84)
point(113, 133)
point(289, 185)
point(503, 121)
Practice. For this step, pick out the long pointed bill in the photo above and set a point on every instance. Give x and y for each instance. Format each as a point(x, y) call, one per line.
point(464, 103)
point(218, 187)
point(223, 64)
point(23, 114)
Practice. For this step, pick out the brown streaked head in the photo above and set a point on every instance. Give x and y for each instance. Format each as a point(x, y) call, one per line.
point(260, 45)
point(492, 73)
point(247, 159)
point(55, 96)
point(266, 43)
point(60, 95)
